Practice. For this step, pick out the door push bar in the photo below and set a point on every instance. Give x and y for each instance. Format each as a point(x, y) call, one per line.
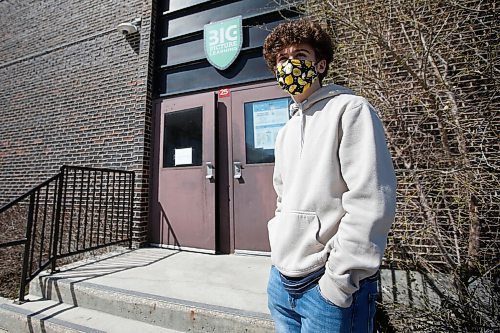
point(210, 171)
point(237, 170)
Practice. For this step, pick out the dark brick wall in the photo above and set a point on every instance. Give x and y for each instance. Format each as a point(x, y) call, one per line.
point(74, 91)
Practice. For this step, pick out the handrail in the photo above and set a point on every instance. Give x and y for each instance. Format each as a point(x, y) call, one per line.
point(96, 204)
point(13, 243)
point(25, 195)
point(97, 169)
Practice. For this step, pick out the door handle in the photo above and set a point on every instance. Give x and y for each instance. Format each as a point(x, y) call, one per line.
point(237, 170)
point(210, 171)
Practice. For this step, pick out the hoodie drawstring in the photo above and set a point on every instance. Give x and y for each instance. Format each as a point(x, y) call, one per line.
point(297, 107)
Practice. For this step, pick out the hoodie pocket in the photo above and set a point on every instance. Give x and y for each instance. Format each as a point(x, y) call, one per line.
point(294, 241)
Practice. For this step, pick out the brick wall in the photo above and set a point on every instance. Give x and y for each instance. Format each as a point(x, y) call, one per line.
point(74, 91)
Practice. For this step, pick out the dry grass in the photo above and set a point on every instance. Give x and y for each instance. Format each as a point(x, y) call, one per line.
point(13, 227)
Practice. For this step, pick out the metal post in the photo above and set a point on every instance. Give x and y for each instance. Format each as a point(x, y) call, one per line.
point(132, 187)
point(57, 221)
point(27, 246)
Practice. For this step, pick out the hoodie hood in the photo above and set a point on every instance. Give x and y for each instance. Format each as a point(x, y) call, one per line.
point(300, 109)
point(325, 92)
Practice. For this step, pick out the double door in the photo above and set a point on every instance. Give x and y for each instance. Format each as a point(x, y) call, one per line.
point(213, 164)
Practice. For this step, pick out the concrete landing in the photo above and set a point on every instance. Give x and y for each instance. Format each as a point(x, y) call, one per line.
point(232, 281)
point(147, 290)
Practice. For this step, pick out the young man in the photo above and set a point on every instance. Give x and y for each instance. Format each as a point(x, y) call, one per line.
point(336, 193)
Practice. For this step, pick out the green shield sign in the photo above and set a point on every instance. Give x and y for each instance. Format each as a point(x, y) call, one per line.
point(223, 41)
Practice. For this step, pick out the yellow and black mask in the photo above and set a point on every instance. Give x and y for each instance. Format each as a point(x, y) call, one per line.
point(296, 76)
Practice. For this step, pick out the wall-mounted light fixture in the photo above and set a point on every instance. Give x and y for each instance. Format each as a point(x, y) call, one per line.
point(128, 28)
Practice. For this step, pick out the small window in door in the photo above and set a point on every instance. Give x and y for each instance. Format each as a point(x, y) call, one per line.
point(182, 145)
point(263, 120)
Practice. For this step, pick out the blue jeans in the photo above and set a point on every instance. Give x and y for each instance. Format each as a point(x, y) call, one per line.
point(310, 312)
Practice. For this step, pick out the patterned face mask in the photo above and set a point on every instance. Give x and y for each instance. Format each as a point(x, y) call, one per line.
point(296, 76)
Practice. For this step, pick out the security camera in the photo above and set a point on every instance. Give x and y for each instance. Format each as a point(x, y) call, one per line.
point(128, 28)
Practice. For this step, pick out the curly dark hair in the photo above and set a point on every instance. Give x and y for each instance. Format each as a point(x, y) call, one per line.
point(301, 31)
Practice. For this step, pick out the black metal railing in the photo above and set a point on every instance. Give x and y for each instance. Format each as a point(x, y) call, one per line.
point(80, 209)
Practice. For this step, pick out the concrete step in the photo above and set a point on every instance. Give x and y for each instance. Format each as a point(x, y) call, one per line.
point(46, 316)
point(176, 314)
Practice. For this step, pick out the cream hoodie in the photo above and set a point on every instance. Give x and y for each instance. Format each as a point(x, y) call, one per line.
point(336, 192)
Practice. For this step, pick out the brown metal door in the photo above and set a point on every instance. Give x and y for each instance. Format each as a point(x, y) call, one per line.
point(257, 115)
point(185, 212)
